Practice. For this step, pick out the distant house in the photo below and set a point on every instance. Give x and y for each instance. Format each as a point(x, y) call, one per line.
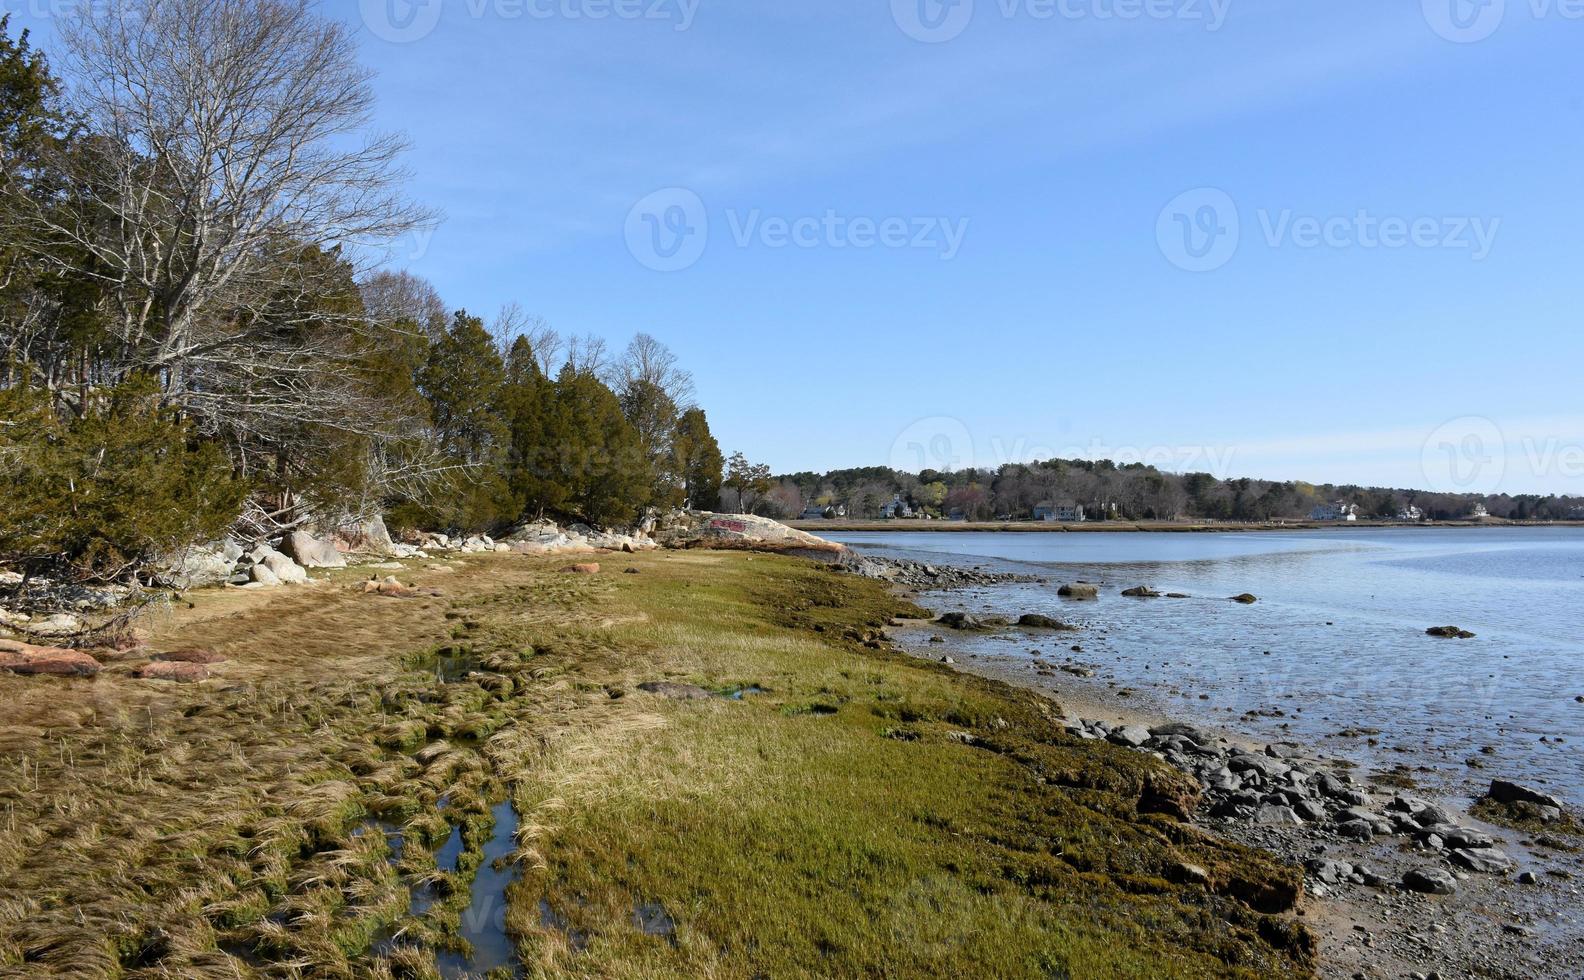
point(814, 512)
point(1478, 513)
point(1410, 513)
point(1066, 512)
point(1338, 511)
point(897, 508)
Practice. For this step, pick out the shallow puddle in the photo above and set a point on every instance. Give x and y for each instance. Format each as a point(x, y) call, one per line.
point(739, 693)
point(652, 919)
point(484, 920)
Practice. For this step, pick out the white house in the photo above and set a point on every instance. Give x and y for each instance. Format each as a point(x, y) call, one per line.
point(1410, 513)
point(897, 508)
point(1338, 511)
point(1478, 513)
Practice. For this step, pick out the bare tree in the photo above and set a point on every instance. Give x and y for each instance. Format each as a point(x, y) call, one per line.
point(647, 360)
point(588, 354)
point(230, 139)
point(393, 298)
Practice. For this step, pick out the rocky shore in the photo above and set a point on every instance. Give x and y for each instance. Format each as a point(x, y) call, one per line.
point(1399, 884)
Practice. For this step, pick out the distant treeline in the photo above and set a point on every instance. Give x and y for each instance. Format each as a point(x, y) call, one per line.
point(1123, 491)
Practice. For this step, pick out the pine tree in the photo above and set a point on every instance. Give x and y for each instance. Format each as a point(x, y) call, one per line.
point(698, 460)
point(600, 466)
point(464, 382)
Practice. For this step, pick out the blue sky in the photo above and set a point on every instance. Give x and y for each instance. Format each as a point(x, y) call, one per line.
point(1072, 317)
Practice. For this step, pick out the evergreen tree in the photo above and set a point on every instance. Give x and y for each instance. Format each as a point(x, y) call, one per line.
point(698, 460)
point(602, 473)
point(464, 381)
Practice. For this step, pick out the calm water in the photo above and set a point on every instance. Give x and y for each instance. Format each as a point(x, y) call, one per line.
point(1337, 640)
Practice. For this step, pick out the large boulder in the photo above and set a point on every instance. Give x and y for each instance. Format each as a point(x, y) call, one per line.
point(286, 571)
point(1079, 590)
point(311, 552)
point(366, 537)
point(1502, 791)
point(25, 658)
point(702, 529)
point(199, 565)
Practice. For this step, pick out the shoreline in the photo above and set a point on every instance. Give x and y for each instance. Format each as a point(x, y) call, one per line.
point(1492, 926)
point(907, 526)
point(514, 733)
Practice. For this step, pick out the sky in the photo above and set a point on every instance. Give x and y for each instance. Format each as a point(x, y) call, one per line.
point(1333, 241)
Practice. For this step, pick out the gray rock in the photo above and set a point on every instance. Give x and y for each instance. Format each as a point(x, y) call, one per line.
point(286, 571)
point(310, 552)
point(1430, 881)
point(1487, 860)
point(1330, 872)
point(1503, 791)
point(1277, 815)
point(1462, 837)
point(200, 565)
point(1264, 765)
point(1079, 590)
point(1133, 736)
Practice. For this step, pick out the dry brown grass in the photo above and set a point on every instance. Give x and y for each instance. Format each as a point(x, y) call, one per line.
point(223, 829)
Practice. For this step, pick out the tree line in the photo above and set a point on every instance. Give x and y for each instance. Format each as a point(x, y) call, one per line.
point(1123, 491)
point(197, 334)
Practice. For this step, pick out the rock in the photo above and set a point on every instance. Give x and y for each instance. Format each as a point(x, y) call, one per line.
point(287, 572)
point(1449, 633)
point(162, 670)
point(1079, 590)
point(60, 624)
point(702, 529)
point(1430, 881)
point(586, 568)
point(1191, 874)
point(1141, 592)
point(1486, 860)
point(674, 691)
point(1359, 830)
point(391, 586)
point(1076, 670)
point(1502, 791)
point(1273, 814)
point(192, 655)
point(199, 566)
point(1262, 764)
point(1133, 736)
point(262, 575)
point(1528, 878)
point(1041, 622)
point(368, 537)
point(1183, 730)
point(310, 552)
point(1248, 599)
point(1330, 872)
point(1462, 837)
point(25, 658)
